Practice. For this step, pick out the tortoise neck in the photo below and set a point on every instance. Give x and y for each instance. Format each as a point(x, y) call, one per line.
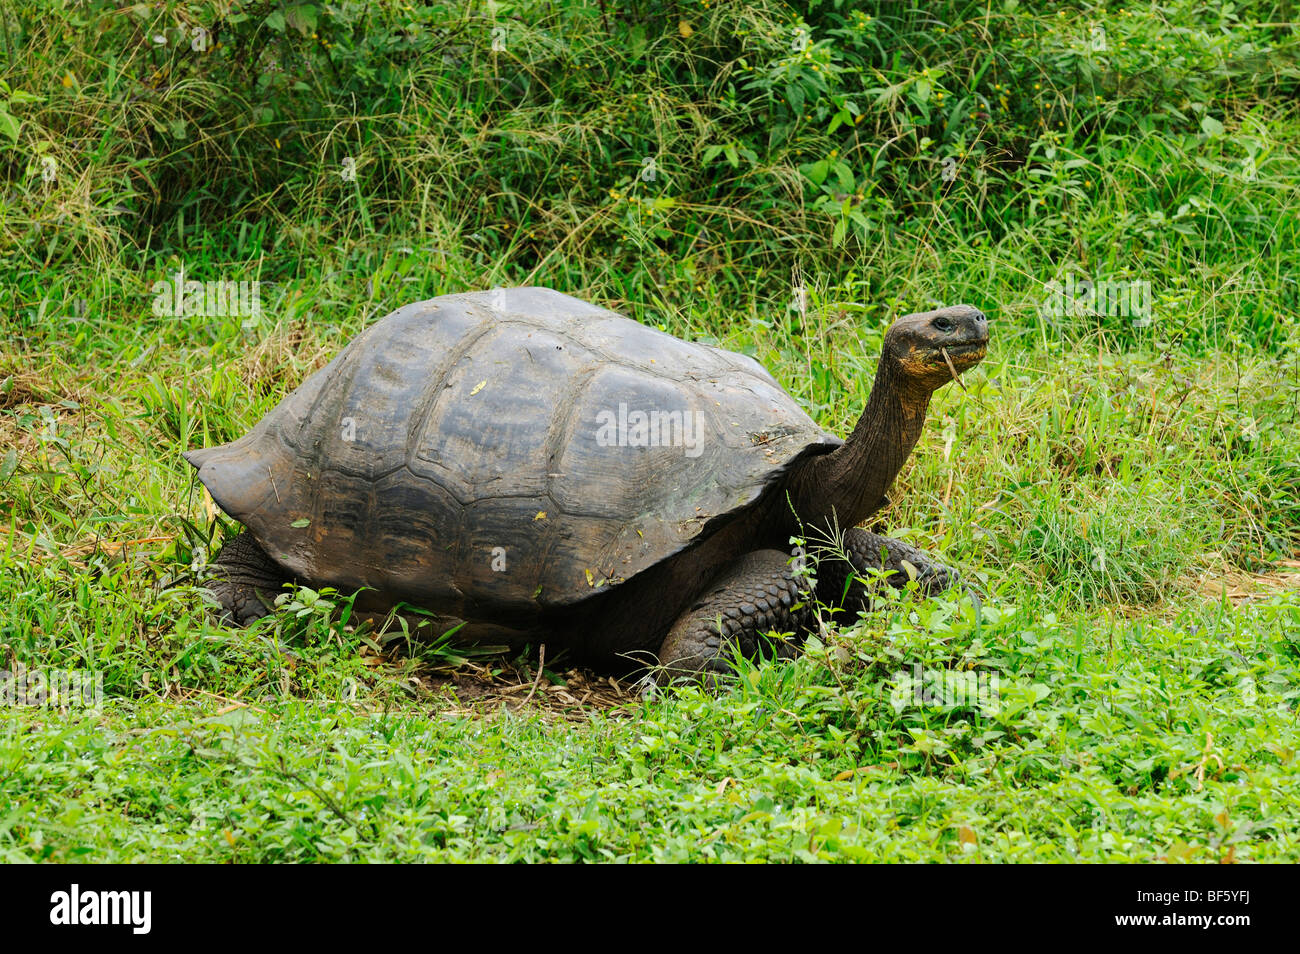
point(845, 487)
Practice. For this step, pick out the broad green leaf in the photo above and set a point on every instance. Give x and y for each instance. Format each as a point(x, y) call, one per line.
point(845, 175)
point(636, 41)
point(795, 97)
point(302, 18)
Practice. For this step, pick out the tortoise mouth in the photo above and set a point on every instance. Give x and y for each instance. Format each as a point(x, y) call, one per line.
point(964, 355)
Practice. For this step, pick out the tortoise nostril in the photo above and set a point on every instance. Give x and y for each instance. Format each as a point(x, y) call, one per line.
point(978, 322)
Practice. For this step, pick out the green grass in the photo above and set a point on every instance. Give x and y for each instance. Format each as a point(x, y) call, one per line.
point(1123, 498)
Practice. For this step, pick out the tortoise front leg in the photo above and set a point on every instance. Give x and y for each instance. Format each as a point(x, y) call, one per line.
point(245, 581)
point(758, 594)
point(867, 552)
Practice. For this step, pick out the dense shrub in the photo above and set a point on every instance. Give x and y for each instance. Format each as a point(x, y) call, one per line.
point(657, 147)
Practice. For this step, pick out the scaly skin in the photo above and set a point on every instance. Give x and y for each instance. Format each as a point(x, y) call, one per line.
point(245, 581)
point(864, 551)
point(760, 593)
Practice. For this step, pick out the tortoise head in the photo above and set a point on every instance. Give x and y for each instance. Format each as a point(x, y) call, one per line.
point(930, 348)
point(921, 354)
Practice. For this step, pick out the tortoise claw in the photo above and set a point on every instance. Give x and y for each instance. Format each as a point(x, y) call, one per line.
point(935, 578)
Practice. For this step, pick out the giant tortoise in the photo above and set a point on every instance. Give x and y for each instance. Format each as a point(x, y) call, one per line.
point(545, 467)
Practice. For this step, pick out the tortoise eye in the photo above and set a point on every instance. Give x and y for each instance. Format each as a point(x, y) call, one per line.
point(943, 324)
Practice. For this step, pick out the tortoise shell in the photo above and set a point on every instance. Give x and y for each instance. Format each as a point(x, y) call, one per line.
point(501, 454)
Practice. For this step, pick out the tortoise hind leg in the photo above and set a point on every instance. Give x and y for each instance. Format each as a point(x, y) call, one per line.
point(758, 594)
point(245, 580)
point(839, 580)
